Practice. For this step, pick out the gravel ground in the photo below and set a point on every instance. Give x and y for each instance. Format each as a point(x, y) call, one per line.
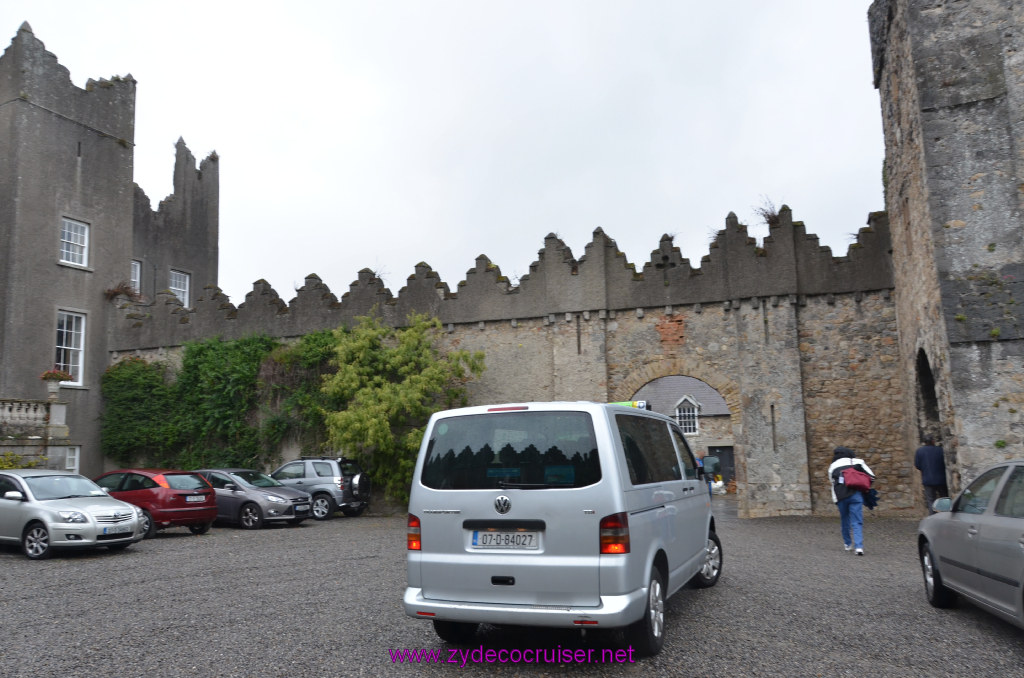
point(324, 599)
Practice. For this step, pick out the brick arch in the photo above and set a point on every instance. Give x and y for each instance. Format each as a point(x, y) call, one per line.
point(680, 367)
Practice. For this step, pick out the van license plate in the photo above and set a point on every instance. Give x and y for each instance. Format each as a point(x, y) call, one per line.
point(483, 539)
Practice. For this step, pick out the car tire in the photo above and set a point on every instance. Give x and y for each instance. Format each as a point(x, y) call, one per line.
point(148, 526)
point(201, 528)
point(456, 633)
point(711, 569)
point(353, 512)
point(35, 542)
point(322, 506)
point(250, 517)
point(647, 634)
point(936, 592)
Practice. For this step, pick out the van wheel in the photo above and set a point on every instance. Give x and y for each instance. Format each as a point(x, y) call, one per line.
point(711, 570)
point(647, 634)
point(936, 592)
point(456, 633)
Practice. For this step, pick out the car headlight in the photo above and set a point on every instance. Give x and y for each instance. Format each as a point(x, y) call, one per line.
point(72, 517)
point(138, 512)
point(276, 499)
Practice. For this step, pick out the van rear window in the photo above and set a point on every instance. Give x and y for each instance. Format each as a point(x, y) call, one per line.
point(531, 450)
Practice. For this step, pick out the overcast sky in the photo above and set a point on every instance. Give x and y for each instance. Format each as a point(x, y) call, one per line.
point(378, 134)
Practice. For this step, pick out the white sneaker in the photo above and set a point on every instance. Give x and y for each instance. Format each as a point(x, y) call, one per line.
point(848, 547)
point(860, 552)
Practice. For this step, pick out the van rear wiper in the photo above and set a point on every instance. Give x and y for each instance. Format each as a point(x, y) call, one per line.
point(523, 486)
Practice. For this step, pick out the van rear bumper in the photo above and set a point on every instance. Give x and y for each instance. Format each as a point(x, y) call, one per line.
point(614, 611)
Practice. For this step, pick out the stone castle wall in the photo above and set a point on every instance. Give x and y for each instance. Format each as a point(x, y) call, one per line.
point(951, 80)
point(800, 344)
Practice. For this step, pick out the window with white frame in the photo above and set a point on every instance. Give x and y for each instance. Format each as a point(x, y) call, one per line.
point(688, 414)
point(71, 458)
point(136, 276)
point(70, 344)
point(74, 242)
point(179, 285)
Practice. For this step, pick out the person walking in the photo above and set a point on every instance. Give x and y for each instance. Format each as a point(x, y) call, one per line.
point(849, 501)
point(930, 461)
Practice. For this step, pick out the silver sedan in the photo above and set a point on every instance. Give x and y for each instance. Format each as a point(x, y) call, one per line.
point(974, 545)
point(45, 510)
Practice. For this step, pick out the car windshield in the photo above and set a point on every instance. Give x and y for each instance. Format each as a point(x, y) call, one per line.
point(63, 487)
point(256, 479)
point(526, 450)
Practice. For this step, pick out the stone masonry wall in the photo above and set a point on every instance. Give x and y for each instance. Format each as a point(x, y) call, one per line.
point(951, 81)
point(594, 329)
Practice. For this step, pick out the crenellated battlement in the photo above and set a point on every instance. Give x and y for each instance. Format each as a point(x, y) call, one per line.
point(790, 262)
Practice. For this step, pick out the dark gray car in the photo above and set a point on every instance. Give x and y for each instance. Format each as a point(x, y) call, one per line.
point(251, 498)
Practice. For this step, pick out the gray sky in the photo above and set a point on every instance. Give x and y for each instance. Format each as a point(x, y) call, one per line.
point(378, 134)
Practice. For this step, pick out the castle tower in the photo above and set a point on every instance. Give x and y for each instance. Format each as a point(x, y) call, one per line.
point(75, 230)
point(950, 76)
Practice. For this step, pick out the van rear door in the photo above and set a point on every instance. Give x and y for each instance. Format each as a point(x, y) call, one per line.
point(506, 502)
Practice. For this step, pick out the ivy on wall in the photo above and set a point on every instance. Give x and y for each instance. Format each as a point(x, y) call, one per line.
point(365, 392)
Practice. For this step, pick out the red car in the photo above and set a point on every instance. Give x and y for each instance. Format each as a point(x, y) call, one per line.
point(167, 497)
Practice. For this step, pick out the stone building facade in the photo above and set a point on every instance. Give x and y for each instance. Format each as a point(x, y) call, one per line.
point(950, 75)
point(71, 225)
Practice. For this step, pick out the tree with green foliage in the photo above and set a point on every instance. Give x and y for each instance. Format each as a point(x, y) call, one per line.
point(387, 384)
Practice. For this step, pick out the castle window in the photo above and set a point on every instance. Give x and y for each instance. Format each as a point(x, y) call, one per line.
point(74, 242)
point(136, 277)
point(688, 414)
point(179, 284)
point(70, 345)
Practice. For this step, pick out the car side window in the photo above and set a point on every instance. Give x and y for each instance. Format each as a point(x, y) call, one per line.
point(683, 449)
point(289, 471)
point(978, 494)
point(8, 485)
point(650, 454)
point(323, 469)
point(218, 481)
point(111, 482)
point(133, 482)
point(1011, 499)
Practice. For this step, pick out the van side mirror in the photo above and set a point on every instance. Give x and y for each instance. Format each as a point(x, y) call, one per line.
point(712, 465)
point(942, 505)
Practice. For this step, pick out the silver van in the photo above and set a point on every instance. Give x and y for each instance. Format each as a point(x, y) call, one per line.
point(581, 515)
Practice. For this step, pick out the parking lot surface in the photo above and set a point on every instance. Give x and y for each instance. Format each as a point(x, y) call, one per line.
point(324, 599)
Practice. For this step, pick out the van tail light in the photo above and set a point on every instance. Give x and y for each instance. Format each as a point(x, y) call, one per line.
point(615, 533)
point(412, 539)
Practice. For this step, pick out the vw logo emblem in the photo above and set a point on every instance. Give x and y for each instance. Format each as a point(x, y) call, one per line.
point(502, 504)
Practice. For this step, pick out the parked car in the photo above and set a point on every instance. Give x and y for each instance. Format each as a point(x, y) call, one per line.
point(974, 545)
point(334, 482)
point(47, 510)
point(578, 515)
point(167, 497)
point(251, 499)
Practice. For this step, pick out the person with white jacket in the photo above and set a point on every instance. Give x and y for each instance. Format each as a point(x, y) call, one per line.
point(849, 501)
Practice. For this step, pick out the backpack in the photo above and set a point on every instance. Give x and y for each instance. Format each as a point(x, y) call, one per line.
point(855, 479)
